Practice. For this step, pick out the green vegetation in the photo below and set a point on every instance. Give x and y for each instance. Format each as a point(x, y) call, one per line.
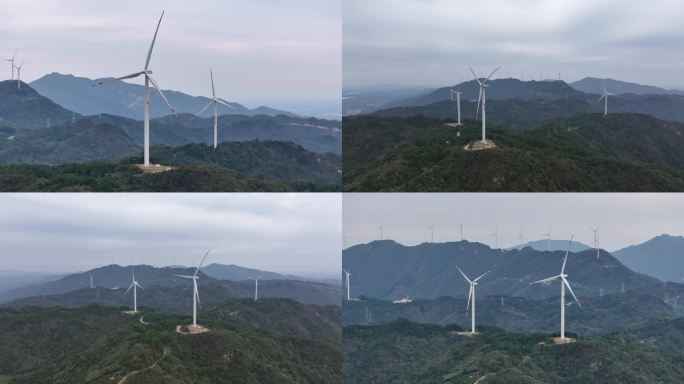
point(272, 341)
point(405, 352)
point(586, 153)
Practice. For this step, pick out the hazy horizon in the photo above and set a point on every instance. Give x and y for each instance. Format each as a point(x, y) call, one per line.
point(432, 42)
point(625, 218)
point(286, 54)
point(289, 233)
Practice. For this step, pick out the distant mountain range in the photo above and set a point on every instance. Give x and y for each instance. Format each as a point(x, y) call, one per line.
point(368, 99)
point(236, 273)
point(661, 257)
point(26, 109)
point(388, 270)
point(163, 291)
point(126, 99)
point(553, 245)
point(595, 85)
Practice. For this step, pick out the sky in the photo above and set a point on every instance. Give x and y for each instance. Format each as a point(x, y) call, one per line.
point(280, 53)
point(296, 233)
point(625, 219)
point(432, 42)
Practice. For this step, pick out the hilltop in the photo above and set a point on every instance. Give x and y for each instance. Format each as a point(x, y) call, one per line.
point(25, 108)
point(661, 256)
point(620, 152)
point(271, 341)
point(406, 352)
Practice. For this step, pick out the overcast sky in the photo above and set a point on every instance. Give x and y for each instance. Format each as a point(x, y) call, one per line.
point(432, 42)
point(625, 219)
point(291, 233)
point(275, 52)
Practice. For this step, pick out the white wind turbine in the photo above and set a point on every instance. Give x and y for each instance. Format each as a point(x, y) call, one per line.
point(564, 283)
point(605, 98)
point(195, 292)
point(457, 104)
point(471, 297)
point(135, 286)
point(548, 239)
point(483, 99)
point(256, 287)
point(596, 238)
point(148, 79)
point(91, 282)
point(346, 280)
point(496, 237)
point(215, 101)
point(11, 61)
point(19, 74)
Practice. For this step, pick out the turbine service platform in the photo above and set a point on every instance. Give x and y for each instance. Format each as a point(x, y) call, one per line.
point(479, 145)
point(154, 168)
point(561, 341)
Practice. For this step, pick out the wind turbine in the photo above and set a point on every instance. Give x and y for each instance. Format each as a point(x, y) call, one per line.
point(256, 287)
point(11, 61)
point(432, 233)
point(215, 101)
point(521, 237)
point(135, 286)
point(148, 79)
point(605, 98)
point(483, 99)
point(596, 239)
point(496, 237)
point(19, 74)
point(195, 293)
point(91, 282)
point(346, 279)
point(457, 105)
point(471, 297)
point(548, 239)
point(460, 227)
point(564, 283)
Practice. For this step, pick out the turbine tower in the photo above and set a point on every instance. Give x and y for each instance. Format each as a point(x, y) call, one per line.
point(496, 237)
point(346, 279)
point(596, 239)
point(135, 286)
point(215, 101)
point(19, 74)
point(471, 297)
point(605, 98)
point(11, 61)
point(564, 283)
point(195, 292)
point(457, 104)
point(483, 99)
point(148, 79)
point(432, 233)
point(91, 282)
point(548, 239)
point(256, 287)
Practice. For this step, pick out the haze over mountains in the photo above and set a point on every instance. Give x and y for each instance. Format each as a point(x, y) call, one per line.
point(661, 257)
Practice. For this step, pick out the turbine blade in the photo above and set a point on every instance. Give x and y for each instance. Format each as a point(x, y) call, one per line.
point(565, 259)
point(213, 91)
point(479, 99)
point(464, 276)
point(202, 262)
point(481, 276)
point(149, 53)
point(600, 98)
point(202, 110)
point(139, 286)
point(546, 280)
point(474, 75)
point(132, 75)
point(129, 288)
point(224, 103)
point(567, 284)
point(156, 86)
point(491, 74)
point(470, 295)
point(198, 300)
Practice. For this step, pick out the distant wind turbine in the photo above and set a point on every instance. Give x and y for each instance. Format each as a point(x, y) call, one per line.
point(346, 279)
point(460, 226)
point(148, 78)
point(605, 98)
point(596, 239)
point(256, 287)
point(483, 100)
point(19, 74)
point(457, 103)
point(215, 101)
point(471, 297)
point(564, 283)
point(496, 237)
point(91, 282)
point(11, 61)
point(432, 233)
point(135, 286)
point(548, 239)
point(195, 292)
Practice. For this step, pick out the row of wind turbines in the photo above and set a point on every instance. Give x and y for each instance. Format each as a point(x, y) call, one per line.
point(147, 73)
point(17, 67)
point(195, 291)
point(455, 97)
